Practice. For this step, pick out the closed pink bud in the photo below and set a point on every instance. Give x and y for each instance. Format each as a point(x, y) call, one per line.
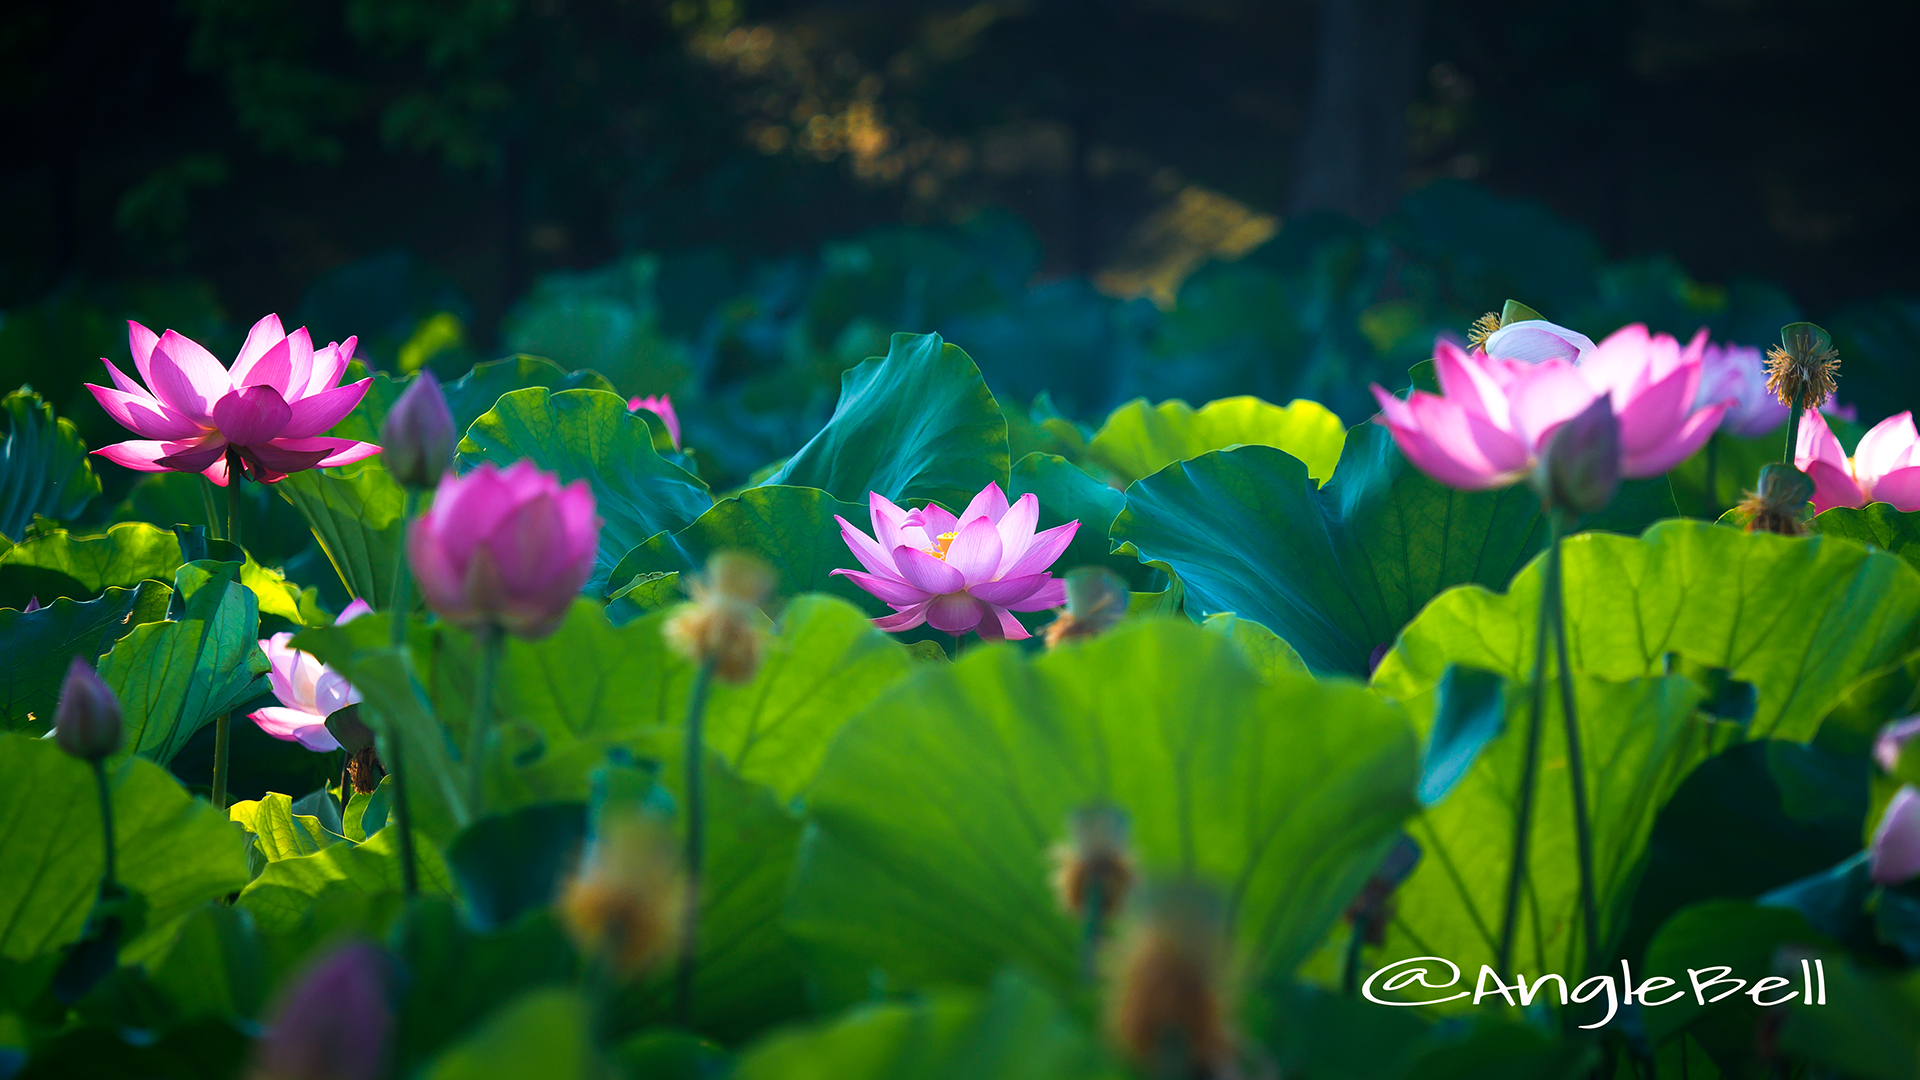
point(87, 723)
point(418, 435)
point(507, 548)
point(1896, 843)
point(331, 1025)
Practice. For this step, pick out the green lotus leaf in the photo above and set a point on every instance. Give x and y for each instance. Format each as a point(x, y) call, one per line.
point(175, 851)
point(44, 467)
point(40, 644)
point(125, 555)
point(278, 832)
point(1800, 619)
point(589, 435)
point(1877, 525)
point(918, 423)
point(934, 810)
point(1139, 439)
point(356, 512)
point(280, 898)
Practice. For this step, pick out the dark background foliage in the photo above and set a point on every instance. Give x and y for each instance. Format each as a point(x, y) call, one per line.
point(198, 163)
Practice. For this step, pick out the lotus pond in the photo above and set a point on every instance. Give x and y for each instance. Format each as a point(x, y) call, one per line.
point(1553, 722)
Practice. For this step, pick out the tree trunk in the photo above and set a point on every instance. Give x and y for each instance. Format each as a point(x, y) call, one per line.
point(1353, 149)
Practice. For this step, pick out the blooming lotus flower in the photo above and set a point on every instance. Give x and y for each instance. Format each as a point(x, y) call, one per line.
point(308, 690)
point(963, 573)
point(1738, 374)
point(1534, 340)
point(1884, 467)
point(662, 407)
point(505, 548)
point(270, 412)
point(1895, 855)
point(1492, 418)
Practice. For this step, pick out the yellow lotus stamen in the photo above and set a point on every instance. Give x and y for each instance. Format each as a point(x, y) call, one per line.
point(940, 545)
point(1483, 328)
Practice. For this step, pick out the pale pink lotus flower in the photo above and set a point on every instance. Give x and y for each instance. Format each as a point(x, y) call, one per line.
point(661, 406)
point(308, 690)
point(1893, 738)
point(1895, 855)
point(1737, 373)
point(963, 573)
point(270, 412)
point(507, 548)
point(1885, 466)
point(1487, 426)
point(1534, 340)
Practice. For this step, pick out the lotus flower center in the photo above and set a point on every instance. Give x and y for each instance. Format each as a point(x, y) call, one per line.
point(940, 545)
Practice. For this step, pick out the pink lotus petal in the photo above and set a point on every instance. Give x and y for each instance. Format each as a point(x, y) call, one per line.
point(126, 385)
point(1832, 487)
point(991, 503)
point(932, 519)
point(1016, 530)
point(193, 455)
point(300, 365)
point(353, 611)
point(890, 591)
point(265, 335)
point(888, 521)
point(662, 407)
point(142, 415)
point(252, 415)
point(140, 343)
point(876, 559)
point(339, 451)
point(1896, 840)
point(954, 613)
point(292, 725)
point(1816, 443)
point(1009, 591)
point(1534, 340)
point(998, 624)
point(1046, 547)
point(316, 413)
point(1053, 594)
point(1467, 382)
point(1650, 419)
point(1678, 447)
point(329, 364)
point(903, 619)
point(1900, 487)
point(273, 368)
point(1886, 446)
point(191, 364)
point(975, 552)
point(926, 573)
point(332, 692)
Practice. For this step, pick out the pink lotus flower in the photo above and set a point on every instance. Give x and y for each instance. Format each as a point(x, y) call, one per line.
point(1893, 738)
point(1885, 467)
point(1736, 373)
point(333, 1022)
point(506, 548)
point(1534, 340)
point(269, 412)
point(959, 574)
point(661, 406)
point(1895, 854)
point(308, 690)
point(1487, 426)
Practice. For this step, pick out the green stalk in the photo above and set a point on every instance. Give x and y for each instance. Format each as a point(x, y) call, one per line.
point(1350, 967)
point(1576, 768)
point(222, 730)
point(396, 767)
point(1793, 428)
point(1530, 769)
point(696, 839)
point(234, 480)
point(492, 642)
point(214, 531)
point(1096, 902)
point(106, 822)
point(1713, 474)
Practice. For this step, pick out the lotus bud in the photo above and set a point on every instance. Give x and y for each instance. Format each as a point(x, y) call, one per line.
point(333, 1024)
point(1893, 739)
point(627, 903)
point(1776, 507)
point(662, 407)
point(1093, 868)
point(508, 548)
point(87, 722)
point(1096, 602)
point(1169, 1001)
point(1804, 369)
point(417, 435)
point(1895, 854)
point(723, 624)
point(1579, 468)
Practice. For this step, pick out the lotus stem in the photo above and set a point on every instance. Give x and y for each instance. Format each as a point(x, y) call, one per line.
point(106, 822)
point(1793, 429)
point(1350, 964)
point(215, 530)
point(1529, 771)
point(234, 480)
point(696, 839)
point(222, 730)
point(1576, 768)
point(1096, 903)
point(395, 756)
point(492, 642)
point(1713, 475)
